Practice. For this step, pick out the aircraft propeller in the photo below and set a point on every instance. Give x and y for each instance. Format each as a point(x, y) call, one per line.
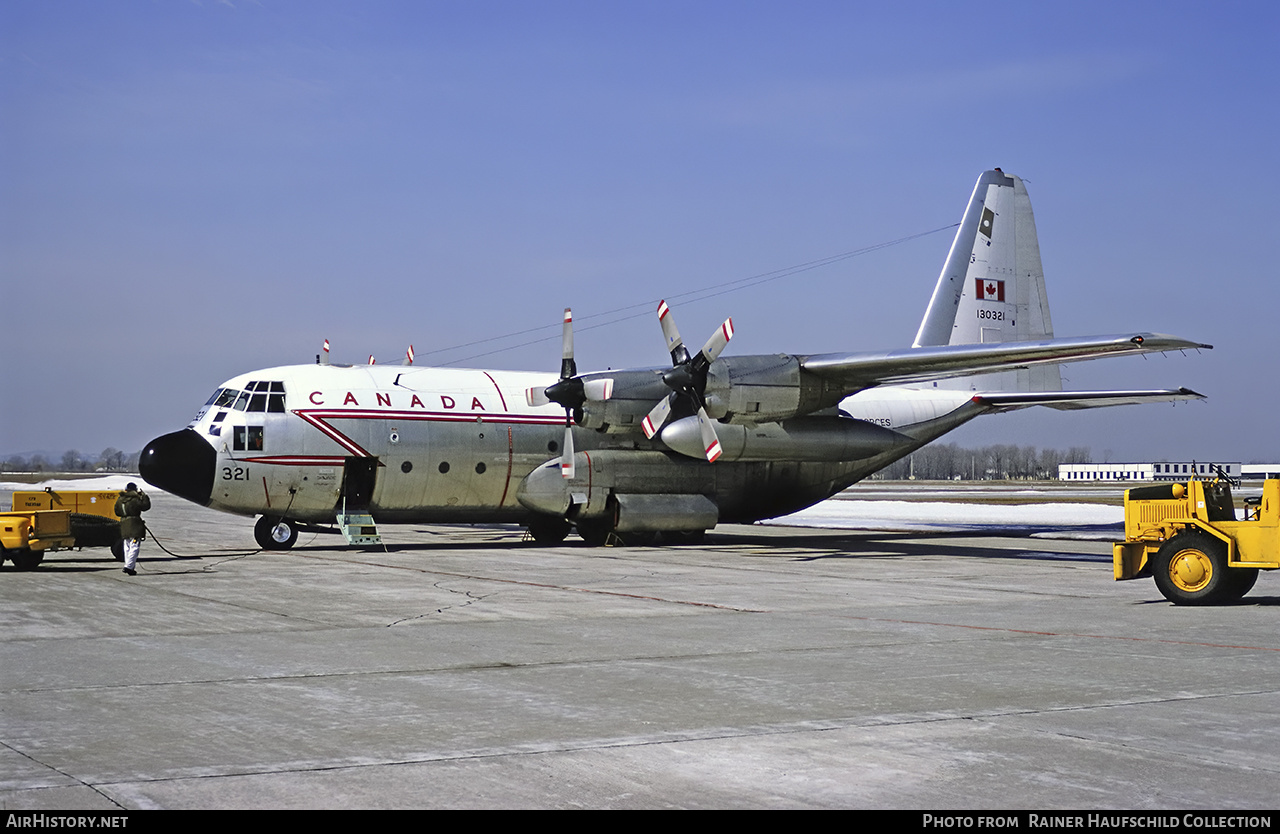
point(572, 392)
point(688, 378)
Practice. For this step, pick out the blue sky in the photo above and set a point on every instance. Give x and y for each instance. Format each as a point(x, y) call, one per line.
point(193, 190)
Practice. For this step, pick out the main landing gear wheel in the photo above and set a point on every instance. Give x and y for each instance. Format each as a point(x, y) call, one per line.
point(275, 533)
point(548, 530)
point(1191, 569)
point(596, 531)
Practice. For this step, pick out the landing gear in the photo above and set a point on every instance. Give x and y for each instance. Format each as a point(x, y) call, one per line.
point(547, 530)
point(599, 533)
point(275, 533)
point(596, 531)
point(1191, 569)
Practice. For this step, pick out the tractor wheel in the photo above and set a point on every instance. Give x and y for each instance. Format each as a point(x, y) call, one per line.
point(1191, 569)
point(25, 559)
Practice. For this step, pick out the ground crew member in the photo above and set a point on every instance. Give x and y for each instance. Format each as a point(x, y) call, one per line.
point(130, 506)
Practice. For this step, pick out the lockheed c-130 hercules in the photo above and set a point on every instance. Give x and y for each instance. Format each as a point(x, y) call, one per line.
point(628, 455)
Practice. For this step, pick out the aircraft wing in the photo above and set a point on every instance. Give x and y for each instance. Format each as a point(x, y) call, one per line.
point(1075, 400)
point(858, 371)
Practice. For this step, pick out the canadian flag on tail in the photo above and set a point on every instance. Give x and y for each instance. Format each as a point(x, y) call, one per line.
point(990, 290)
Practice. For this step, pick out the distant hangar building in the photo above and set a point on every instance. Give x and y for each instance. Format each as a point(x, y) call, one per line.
point(1162, 471)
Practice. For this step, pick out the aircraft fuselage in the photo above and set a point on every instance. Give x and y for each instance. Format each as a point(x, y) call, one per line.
point(454, 445)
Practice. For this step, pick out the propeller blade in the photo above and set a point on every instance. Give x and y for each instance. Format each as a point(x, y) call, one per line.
point(654, 419)
point(567, 366)
point(598, 390)
point(710, 441)
point(536, 397)
point(566, 454)
point(669, 332)
point(711, 350)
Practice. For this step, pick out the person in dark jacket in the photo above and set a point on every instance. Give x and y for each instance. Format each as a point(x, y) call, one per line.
point(130, 506)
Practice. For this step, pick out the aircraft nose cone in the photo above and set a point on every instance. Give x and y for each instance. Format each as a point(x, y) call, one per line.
point(181, 463)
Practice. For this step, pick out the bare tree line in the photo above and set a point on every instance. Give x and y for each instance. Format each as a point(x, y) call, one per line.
point(949, 462)
point(110, 459)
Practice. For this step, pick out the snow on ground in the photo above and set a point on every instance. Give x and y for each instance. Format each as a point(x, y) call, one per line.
point(941, 516)
point(100, 484)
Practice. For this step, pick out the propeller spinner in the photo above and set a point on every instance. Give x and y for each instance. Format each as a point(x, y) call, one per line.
point(688, 379)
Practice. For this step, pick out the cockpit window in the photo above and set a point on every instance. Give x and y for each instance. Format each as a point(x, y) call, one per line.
point(223, 398)
point(265, 396)
point(259, 396)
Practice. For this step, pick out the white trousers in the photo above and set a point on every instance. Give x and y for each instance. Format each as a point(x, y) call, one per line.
point(131, 553)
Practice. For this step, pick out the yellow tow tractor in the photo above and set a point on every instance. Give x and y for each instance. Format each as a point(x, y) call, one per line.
point(1187, 537)
point(25, 535)
point(57, 520)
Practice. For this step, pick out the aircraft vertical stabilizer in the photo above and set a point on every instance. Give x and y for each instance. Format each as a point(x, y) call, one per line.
point(991, 289)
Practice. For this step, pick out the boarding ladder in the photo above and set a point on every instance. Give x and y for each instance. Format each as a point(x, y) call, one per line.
point(358, 527)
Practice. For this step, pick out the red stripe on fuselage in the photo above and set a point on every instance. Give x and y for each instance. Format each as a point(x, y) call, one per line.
point(320, 417)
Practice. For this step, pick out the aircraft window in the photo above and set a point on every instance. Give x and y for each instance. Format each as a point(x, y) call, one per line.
point(247, 439)
point(479, 468)
point(220, 416)
point(243, 401)
point(277, 387)
point(275, 402)
point(226, 397)
point(213, 397)
point(444, 467)
point(258, 402)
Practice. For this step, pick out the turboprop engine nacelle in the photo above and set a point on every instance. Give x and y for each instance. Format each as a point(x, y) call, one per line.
point(801, 439)
point(744, 390)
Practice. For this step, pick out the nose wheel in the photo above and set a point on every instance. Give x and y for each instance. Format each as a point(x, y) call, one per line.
point(275, 533)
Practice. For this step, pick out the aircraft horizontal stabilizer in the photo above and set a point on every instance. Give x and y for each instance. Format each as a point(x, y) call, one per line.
point(858, 371)
point(1076, 400)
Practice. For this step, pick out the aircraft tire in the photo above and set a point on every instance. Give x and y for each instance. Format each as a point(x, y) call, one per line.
point(595, 532)
point(680, 537)
point(275, 533)
point(1191, 569)
point(547, 530)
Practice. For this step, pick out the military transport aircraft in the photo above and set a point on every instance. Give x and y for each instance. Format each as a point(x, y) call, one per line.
point(624, 456)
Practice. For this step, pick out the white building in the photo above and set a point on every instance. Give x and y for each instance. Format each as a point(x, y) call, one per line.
point(1162, 471)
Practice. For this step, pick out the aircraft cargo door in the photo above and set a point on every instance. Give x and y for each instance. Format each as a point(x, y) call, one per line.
point(359, 477)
